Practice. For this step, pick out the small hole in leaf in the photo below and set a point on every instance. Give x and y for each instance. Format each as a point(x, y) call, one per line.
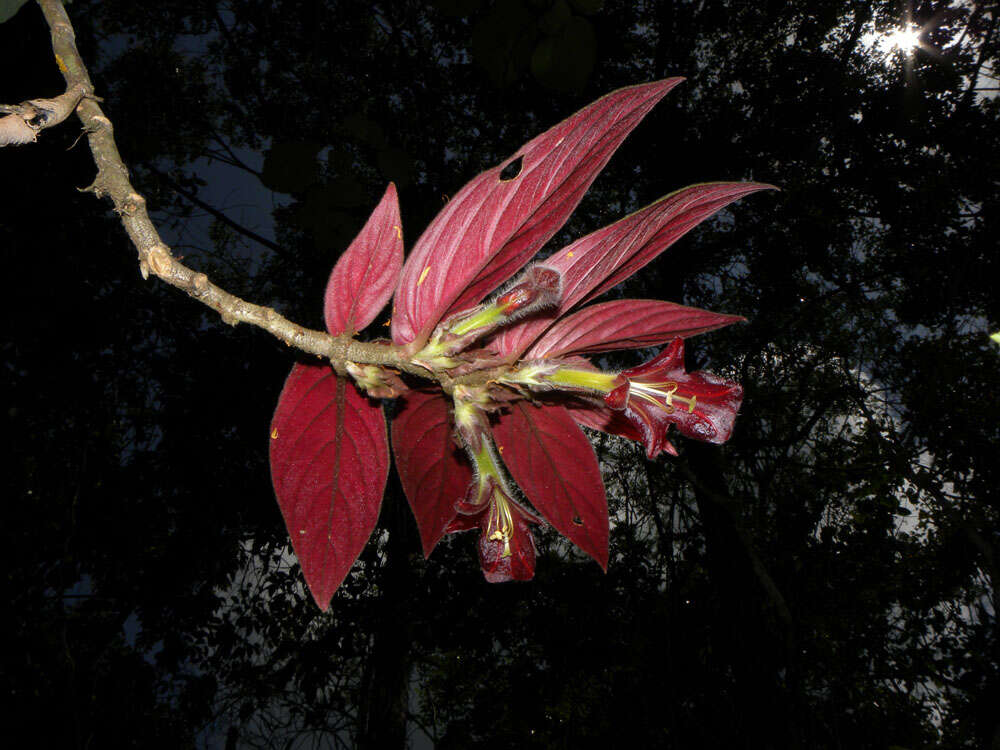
point(512, 170)
point(577, 520)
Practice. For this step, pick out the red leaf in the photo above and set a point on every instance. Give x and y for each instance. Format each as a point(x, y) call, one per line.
point(625, 324)
point(329, 463)
point(499, 220)
point(366, 274)
point(553, 462)
point(434, 472)
point(599, 261)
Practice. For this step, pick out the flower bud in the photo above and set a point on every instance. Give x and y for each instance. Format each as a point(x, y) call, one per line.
point(377, 382)
point(537, 288)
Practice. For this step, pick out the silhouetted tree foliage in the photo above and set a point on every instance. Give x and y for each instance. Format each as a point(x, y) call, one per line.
point(828, 579)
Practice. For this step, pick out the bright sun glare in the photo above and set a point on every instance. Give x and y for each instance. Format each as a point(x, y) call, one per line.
point(903, 39)
point(899, 40)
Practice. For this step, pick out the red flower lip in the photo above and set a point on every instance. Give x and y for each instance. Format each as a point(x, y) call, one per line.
point(506, 544)
point(660, 393)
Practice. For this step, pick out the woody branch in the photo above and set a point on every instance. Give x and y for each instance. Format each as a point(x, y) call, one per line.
point(155, 257)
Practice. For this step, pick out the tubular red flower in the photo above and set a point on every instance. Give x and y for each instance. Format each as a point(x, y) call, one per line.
point(660, 393)
point(506, 544)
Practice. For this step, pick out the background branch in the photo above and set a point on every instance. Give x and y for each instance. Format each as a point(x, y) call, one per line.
point(216, 213)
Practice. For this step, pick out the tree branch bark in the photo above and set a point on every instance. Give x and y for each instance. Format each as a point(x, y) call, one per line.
point(26, 120)
point(155, 257)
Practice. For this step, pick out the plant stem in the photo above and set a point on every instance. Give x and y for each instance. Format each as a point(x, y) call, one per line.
point(155, 256)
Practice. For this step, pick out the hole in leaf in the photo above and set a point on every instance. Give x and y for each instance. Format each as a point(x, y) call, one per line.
point(512, 170)
point(577, 520)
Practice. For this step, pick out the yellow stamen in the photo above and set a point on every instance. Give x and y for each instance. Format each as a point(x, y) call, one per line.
point(666, 390)
point(505, 522)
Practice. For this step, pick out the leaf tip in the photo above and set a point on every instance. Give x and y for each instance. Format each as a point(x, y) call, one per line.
point(322, 599)
point(428, 541)
point(665, 85)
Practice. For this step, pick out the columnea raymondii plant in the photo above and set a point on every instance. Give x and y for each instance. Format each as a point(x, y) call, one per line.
point(501, 343)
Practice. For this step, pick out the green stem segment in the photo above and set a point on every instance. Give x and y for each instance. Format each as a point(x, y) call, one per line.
point(588, 380)
point(474, 429)
point(484, 318)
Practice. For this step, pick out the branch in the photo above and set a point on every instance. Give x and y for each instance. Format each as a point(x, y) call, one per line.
point(233, 160)
point(26, 120)
point(968, 96)
point(154, 255)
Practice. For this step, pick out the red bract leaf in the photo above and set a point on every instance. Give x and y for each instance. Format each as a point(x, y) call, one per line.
point(366, 274)
point(553, 462)
point(433, 470)
point(498, 221)
point(599, 261)
point(625, 324)
point(329, 463)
